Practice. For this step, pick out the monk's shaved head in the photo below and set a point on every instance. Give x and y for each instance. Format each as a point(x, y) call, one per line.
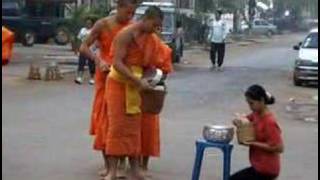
point(126, 9)
point(152, 19)
point(153, 12)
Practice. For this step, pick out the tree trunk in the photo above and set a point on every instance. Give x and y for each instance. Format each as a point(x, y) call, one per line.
point(246, 19)
point(236, 21)
point(244, 16)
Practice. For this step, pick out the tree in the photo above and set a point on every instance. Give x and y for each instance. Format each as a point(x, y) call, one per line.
point(298, 7)
point(205, 6)
point(236, 7)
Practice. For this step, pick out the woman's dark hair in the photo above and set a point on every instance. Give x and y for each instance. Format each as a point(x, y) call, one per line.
point(258, 93)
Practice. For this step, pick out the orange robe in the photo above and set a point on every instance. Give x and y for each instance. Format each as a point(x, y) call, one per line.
point(124, 136)
point(7, 44)
point(99, 119)
point(150, 134)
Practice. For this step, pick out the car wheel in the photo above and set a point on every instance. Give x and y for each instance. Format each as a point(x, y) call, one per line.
point(28, 38)
point(297, 81)
point(269, 33)
point(62, 36)
point(246, 31)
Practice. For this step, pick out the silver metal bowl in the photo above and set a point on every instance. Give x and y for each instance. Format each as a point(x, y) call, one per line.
point(218, 133)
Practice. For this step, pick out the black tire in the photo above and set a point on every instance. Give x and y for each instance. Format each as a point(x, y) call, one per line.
point(296, 81)
point(269, 34)
point(246, 31)
point(28, 38)
point(62, 35)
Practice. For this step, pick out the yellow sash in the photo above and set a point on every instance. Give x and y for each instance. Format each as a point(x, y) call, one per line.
point(133, 98)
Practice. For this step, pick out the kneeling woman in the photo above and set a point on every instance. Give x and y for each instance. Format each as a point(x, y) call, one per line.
point(264, 152)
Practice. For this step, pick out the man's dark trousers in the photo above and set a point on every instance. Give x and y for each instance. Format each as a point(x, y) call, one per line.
point(217, 48)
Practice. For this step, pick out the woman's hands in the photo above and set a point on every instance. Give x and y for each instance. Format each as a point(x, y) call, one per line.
point(247, 143)
point(239, 119)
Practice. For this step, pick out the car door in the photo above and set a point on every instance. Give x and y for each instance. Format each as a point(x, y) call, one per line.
point(265, 27)
point(39, 17)
point(257, 27)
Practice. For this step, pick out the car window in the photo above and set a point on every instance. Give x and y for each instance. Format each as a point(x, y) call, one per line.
point(264, 23)
point(137, 16)
point(167, 24)
point(311, 41)
point(39, 9)
point(10, 9)
point(257, 23)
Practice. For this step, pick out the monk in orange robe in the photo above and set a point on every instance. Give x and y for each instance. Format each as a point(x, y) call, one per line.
point(135, 49)
point(150, 122)
point(104, 32)
point(7, 45)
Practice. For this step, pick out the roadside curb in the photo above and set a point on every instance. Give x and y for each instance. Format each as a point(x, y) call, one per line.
point(238, 40)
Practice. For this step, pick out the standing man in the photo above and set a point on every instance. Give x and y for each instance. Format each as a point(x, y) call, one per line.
point(217, 36)
point(150, 129)
point(104, 31)
point(7, 45)
point(179, 40)
point(135, 49)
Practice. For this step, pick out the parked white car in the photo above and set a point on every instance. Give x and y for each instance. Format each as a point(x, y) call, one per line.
point(260, 26)
point(306, 65)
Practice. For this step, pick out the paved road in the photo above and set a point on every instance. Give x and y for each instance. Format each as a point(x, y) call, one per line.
point(45, 124)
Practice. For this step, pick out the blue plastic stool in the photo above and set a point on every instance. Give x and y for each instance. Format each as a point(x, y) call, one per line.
point(201, 145)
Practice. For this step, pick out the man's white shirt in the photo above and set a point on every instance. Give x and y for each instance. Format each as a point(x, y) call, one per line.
point(218, 32)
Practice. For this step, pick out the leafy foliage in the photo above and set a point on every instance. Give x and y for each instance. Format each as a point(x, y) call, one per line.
point(79, 15)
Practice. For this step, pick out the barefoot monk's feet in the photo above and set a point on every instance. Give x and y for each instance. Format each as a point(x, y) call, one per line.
point(103, 173)
point(121, 173)
point(137, 177)
point(146, 173)
point(109, 177)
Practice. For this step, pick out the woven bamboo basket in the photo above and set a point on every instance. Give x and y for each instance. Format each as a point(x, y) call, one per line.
point(153, 101)
point(245, 133)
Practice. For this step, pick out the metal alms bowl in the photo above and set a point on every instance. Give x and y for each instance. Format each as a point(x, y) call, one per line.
point(218, 133)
